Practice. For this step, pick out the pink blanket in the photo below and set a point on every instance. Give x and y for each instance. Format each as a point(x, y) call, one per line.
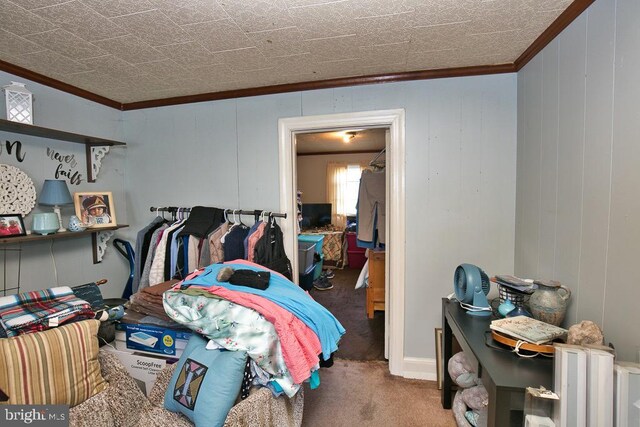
point(300, 345)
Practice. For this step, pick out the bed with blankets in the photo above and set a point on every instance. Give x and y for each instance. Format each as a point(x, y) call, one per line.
point(240, 306)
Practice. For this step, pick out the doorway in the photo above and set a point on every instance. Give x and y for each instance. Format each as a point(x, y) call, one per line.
point(330, 165)
point(395, 225)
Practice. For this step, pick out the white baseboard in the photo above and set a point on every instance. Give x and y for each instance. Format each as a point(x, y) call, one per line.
point(419, 368)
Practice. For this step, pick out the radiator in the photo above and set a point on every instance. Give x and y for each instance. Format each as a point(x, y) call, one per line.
point(627, 395)
point(570, 384)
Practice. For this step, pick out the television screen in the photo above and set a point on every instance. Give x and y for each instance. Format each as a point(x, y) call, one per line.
point(315, 215)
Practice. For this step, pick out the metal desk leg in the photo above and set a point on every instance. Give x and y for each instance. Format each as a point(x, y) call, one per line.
point(447, 382)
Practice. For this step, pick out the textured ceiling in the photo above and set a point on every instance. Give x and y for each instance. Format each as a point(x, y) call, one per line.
point(135, 50)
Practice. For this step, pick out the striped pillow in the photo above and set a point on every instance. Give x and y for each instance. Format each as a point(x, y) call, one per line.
point(59, 366)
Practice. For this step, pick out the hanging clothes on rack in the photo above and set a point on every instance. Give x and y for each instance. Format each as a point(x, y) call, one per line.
point(269, 250)
point(143, 242)
point(201, 239)
point(214, 244)
point(255, 232)
point(146, 271)
point(157, 272)
point(233, 241)
point(201, 222)
point(370, 210)
point(172, 251)
point(253, 239)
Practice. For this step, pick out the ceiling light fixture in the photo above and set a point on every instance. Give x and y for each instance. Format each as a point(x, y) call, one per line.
point(348, 136)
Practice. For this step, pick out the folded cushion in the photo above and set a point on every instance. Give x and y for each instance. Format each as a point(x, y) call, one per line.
point(58, 366)
point(205, 383)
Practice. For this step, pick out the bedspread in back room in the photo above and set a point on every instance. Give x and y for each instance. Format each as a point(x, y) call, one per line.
point(286, 334)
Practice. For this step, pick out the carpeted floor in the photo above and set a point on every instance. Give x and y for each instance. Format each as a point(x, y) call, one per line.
point(364, 339)
point(354, 393)
point(358, 389)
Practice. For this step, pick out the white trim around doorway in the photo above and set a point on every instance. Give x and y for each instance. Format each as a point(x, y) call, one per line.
point(395, 206)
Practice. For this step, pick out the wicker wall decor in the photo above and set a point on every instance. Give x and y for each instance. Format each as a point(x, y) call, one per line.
point(17, 192)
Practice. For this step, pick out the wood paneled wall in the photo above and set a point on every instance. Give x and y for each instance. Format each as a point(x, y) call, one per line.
point(578, 211)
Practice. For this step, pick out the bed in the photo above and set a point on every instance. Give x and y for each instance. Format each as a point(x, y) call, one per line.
point(334, 247)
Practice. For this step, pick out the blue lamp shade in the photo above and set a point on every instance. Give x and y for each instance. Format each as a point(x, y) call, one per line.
point(55, 193)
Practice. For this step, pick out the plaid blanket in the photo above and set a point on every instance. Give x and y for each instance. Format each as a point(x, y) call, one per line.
point(40, 310)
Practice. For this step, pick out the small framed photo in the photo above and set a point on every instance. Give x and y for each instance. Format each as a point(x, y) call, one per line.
point(96, 208)
point(11, 225)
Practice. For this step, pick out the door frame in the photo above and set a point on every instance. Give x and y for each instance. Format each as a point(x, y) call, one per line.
point(395, 206)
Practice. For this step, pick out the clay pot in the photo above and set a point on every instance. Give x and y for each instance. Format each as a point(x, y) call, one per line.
point(549, 302)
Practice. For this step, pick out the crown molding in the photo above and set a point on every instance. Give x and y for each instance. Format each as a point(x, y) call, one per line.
point(323, 84)
point(57, 84)
point(574, 10)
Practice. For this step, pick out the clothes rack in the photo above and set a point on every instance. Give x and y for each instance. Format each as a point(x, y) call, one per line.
point(174, 209)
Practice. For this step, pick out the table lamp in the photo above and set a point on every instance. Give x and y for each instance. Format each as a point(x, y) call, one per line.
point(55, 193)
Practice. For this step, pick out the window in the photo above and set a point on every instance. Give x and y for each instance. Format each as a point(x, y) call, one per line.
point(343, 182)
point(353, 186)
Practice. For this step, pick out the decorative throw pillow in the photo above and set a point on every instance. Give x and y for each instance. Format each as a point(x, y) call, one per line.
point(205, 383)
point(58, 366)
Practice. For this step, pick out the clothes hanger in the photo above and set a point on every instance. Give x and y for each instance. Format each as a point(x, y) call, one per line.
point(240, 223)
point(233, 225)
point(272, 223)
point(378, 163)
point(237, 219)
point(271, 217)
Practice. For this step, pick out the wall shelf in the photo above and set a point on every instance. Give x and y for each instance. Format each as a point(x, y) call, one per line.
point(96, 148)
point(99, 238)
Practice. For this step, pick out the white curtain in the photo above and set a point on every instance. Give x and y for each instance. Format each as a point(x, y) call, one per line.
point(336, 188)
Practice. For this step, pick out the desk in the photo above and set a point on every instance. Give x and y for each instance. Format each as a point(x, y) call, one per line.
point(504, 374)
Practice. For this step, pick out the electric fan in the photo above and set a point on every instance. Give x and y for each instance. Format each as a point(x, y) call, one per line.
point(471, 286)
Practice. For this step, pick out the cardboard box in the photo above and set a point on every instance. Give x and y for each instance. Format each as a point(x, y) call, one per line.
point(143, 368)
point(122, 346)
point(152, 339)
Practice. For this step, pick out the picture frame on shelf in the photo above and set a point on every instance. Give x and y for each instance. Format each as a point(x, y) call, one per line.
point(95, 209)
point(12, 225)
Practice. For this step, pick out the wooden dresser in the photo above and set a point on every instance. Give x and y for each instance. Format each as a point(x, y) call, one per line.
point(375, 290)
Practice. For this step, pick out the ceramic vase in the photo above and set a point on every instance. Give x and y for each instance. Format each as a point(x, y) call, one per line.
point(45, 223)
point(549, 302)
point(75, 224)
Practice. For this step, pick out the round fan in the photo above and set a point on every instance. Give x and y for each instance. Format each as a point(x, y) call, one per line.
point(471, 286)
